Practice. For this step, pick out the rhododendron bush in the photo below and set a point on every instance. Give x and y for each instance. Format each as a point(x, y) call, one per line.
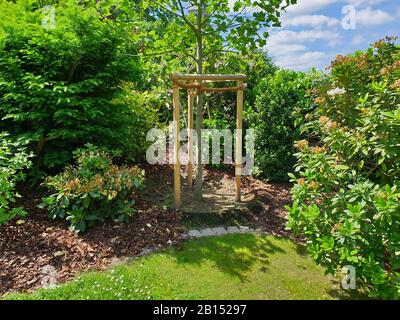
point(346, 198)
point(93, 190)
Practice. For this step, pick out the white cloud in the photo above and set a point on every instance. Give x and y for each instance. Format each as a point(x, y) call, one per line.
point(304, 7)
point(307, 13)
point(303, 61)
point(359, 3)
point(277, 48)
point(307, 45)
point(358, 39)
point(289, 37)
point(289, 48)
point(369, 17)
point(315, 21)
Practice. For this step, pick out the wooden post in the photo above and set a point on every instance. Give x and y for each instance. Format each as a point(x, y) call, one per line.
point(196, 82)
point(239, 139)
point(177, 167)
point(190, 139)
point(198, 189)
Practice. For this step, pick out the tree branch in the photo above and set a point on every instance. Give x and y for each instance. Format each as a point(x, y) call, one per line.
point(182, 15)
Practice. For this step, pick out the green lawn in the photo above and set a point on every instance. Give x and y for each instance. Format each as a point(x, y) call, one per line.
point(243, 266)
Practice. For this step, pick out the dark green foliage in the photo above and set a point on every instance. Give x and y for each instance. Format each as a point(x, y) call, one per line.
point(221, 107)
point(281, 99)
point(13, 161)
point(57, 84)
point(143, 114)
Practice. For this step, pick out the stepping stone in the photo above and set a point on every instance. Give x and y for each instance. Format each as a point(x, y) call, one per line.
point(245, 229)
point(195, 234)
point(233, 230)
point(219, 231)
point(118, 261)
point(208, 232)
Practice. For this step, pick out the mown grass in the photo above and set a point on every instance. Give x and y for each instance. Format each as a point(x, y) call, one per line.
point(242, 266)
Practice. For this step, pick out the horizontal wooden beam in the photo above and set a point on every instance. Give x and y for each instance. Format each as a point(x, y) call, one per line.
point(229, 89)
point(193, 85)
point(207, 77)
point(202, 88)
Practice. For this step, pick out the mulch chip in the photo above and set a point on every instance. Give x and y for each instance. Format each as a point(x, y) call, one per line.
point(27, 246)
point(273, 198)
point(34, 244)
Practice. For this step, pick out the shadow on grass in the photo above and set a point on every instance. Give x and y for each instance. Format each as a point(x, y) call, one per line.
point(232, 254)
point(351, 294)
point(237, 254)
point(336, 292)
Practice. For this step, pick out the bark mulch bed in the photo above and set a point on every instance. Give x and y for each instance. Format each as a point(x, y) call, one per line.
point(265, 209)
point(272, 199)
point(27, 246)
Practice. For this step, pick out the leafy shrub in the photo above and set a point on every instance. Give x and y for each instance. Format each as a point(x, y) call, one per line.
point(255, 66)
point(57, 83)
point(346, 200)
point(93, 190)
point(142, 116)
point(13, 161)
point(281, 100)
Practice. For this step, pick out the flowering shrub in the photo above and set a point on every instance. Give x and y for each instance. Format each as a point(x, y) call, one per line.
point(13, 161)
point(95, 189)
point(346, 198)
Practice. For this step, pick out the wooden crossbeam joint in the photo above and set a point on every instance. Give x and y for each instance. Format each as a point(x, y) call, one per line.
point(199, 87)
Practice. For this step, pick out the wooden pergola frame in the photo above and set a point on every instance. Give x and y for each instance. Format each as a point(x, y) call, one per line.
point(196, 84)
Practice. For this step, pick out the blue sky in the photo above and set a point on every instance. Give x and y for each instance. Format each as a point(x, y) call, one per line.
point(312, 33)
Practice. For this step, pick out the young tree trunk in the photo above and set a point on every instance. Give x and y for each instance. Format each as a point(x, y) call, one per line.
point(198, 191)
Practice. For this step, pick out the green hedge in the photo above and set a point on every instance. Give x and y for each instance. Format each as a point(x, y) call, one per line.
point(281, 101)
point(57, 84)
point(13, 161)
